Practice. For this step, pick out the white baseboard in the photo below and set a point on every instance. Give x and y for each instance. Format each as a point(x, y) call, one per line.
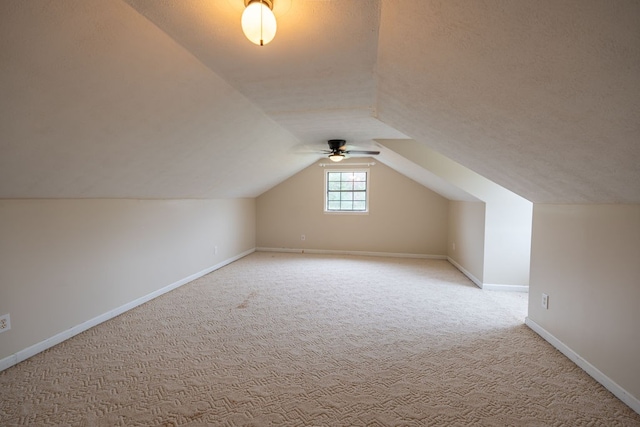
point(507, 288)
point(608, 383)
point(8, 362)
point(356, 253)
point(464, 271)
point(488, 286)
point(65, 335)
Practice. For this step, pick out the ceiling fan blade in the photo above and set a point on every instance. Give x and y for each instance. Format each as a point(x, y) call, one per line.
point(361, 152)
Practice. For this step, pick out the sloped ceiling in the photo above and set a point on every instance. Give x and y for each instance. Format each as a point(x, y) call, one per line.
point(541, 97)
point(167, 99)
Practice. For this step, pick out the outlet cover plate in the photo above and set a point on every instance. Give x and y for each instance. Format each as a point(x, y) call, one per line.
point(545, 301)
point(5, 323)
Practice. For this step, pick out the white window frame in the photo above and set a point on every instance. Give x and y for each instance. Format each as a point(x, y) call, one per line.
point(326, 191)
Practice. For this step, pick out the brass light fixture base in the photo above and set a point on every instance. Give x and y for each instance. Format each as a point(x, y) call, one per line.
point(269, 3)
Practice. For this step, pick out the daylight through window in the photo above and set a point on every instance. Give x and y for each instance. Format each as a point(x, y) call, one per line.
point(346, 191)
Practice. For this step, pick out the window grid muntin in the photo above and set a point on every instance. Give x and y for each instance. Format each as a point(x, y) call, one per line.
point(346, 191)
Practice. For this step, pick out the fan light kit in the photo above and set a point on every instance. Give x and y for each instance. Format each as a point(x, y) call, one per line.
point(258, 21)
point(337, 150)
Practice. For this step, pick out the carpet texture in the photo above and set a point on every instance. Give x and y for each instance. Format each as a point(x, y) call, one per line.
point(297, 340)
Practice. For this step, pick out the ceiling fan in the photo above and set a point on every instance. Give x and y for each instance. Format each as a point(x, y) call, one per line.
point(337, 150)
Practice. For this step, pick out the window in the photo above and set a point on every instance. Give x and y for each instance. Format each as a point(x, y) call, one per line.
point(346, 191)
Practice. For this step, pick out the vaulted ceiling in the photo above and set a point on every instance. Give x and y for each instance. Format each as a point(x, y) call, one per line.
point(167, 99)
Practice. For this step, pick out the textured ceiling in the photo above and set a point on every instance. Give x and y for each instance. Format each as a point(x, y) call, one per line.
point(167, 99)
point(541, 97)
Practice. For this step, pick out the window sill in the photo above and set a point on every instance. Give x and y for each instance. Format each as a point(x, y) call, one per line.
point(347, 212)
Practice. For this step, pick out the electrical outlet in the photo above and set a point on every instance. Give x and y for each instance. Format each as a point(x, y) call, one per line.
point(545, 301)
point(215, 250)
point(5, 323)
point(303, 237)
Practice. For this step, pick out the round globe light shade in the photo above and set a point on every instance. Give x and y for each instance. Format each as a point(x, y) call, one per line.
point(336, 157)
point(259, 23)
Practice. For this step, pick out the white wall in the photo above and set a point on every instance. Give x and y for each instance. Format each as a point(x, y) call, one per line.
point(507, 246)
point(507, 228)
point(587, 259)
point(466, 237)
point(404, 216)
point(64, 262)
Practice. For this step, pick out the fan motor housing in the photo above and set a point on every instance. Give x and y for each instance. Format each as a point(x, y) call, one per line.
point(336, 144)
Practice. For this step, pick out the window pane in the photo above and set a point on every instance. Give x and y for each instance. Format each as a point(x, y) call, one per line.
point(346, 186)
point(334, 186)
point(359, 206)
point(346, 191)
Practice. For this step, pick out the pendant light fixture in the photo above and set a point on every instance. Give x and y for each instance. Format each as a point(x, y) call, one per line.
point(258, 21)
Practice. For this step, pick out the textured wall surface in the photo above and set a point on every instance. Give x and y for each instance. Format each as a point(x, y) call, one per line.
point(404, 216)
point(507, 218)
point(64, 262)
point(466, 236)
point(585, 258)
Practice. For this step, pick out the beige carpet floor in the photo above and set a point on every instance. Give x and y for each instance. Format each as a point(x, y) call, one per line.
point(300, 340)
